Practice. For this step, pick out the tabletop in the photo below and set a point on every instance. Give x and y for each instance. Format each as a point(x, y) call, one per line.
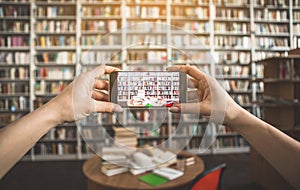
point(97, 180)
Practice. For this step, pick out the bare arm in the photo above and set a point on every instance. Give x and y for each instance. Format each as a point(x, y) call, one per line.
point(280, 150)
point(79, 99)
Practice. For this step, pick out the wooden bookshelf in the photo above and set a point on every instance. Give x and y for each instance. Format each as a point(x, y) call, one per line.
point(44, 44)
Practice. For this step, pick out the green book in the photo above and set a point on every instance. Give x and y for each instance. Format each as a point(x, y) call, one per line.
point(153, 179)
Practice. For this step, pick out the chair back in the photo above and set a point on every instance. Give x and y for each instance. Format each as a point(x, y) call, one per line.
point(209, 179)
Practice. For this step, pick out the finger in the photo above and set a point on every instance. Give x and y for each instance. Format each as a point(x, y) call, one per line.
point(107, 107)
point(110, 69)
point(193, 83)
point(190, 108)
point(190, 70)
point(100, 96)
point(101, 84)
point(98, 71)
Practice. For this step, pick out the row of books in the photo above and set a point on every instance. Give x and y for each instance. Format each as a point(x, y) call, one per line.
point(296, 2)
point(189, 41)
point(296, 15)
point(14, 26)
point(263, 55)
point(54, 11)
point(271, 29)
point(241, 99)
point(106, 40)
point(14, 58)
point(42, 87)
point(192, 57)
point(61, 133)
point(55, 26)
point(278, 15)
point(55, 149)
point(105, 11)
point(144, 26)
point(6, 119)
point(14, 73)
point(14, 41)
point(232, 57)
point(233, 141)
point(191, 26)
point(296, 28)
point(232, 41)
point(146, 56)
point(100, 26)
point(232, 13)
point(21, 103)
point(231, 2)
point(190, 12)
point(259, 71)
point(232, 27)
point(258, 86)
point(54, 73)
point(234, 71)
point(100, 57)
point(48, 41)
point(234, 85)
point(269, 43)
point(199, 2)
point(14, 11)
point(144, 12)
point(146, 40)
point(62, 57)
point(280, 3)
point(14, 88)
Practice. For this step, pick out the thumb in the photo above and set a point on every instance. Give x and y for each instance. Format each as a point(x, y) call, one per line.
point(190, 108)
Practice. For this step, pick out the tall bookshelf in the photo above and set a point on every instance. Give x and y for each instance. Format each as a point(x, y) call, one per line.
point(45, 44)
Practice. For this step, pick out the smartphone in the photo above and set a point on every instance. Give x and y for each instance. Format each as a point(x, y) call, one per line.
point(148, 88)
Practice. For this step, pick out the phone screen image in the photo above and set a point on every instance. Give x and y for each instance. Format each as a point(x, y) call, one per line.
point(147, 88)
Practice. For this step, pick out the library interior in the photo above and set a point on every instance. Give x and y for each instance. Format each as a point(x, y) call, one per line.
point(251, 48)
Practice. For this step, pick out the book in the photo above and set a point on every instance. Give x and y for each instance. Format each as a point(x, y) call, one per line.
point(153, 179)
point(168, 173)
point(113, 169)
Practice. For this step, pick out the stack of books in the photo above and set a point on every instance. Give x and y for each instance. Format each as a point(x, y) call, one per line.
point(125, 136)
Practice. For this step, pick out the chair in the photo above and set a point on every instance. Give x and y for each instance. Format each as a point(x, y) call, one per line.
point(209, 179)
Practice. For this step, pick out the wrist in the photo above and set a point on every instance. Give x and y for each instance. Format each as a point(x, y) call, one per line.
point(232, 114)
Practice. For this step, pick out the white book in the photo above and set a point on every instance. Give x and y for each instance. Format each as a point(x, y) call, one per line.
point(168, 173)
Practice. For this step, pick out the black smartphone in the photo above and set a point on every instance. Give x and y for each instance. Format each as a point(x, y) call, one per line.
point(148, 88)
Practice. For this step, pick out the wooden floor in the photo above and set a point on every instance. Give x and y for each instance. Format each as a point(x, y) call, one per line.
point(65, 175)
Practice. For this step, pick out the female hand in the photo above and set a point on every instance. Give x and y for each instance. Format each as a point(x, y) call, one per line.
point(84, 96)
point(208, 98)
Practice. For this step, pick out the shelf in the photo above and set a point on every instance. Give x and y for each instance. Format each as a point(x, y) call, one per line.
point(149, 3)
point(272, 35)
point(15, 18)
point(55, 80)
point(219, 19)
point(4, 80)
point(12, 112)
point(14, 32)
point(3, 95)
point(15, 3)
point(58, 48)
point(65, 33)
point(185, 18)
point(232, 49)
point(56, 18)
point(53, 64)
point(85, 18)
point(102, 47)
point(272, 21)
point(15, 48)
point(231, 150)
point(4, 65)
point(233, 6)
point(188, 4)
point(49, 157)
point(111, 3)
point(232, 34)
point(58, 140)
point(57, 3)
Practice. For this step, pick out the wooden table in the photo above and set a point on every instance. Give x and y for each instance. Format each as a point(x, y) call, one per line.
point(97, 180)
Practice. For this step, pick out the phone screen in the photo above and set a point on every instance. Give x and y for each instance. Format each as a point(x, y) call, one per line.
point(147, 88)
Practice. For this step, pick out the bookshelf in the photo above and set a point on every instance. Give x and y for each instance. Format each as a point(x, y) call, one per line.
point(281, 108)
point(45, 44)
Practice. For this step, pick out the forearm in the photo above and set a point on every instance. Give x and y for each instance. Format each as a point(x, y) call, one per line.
point(17, 138)
point(280, 150)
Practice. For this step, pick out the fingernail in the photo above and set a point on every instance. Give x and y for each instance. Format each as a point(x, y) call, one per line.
point(118, 108)
point(174, 109)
